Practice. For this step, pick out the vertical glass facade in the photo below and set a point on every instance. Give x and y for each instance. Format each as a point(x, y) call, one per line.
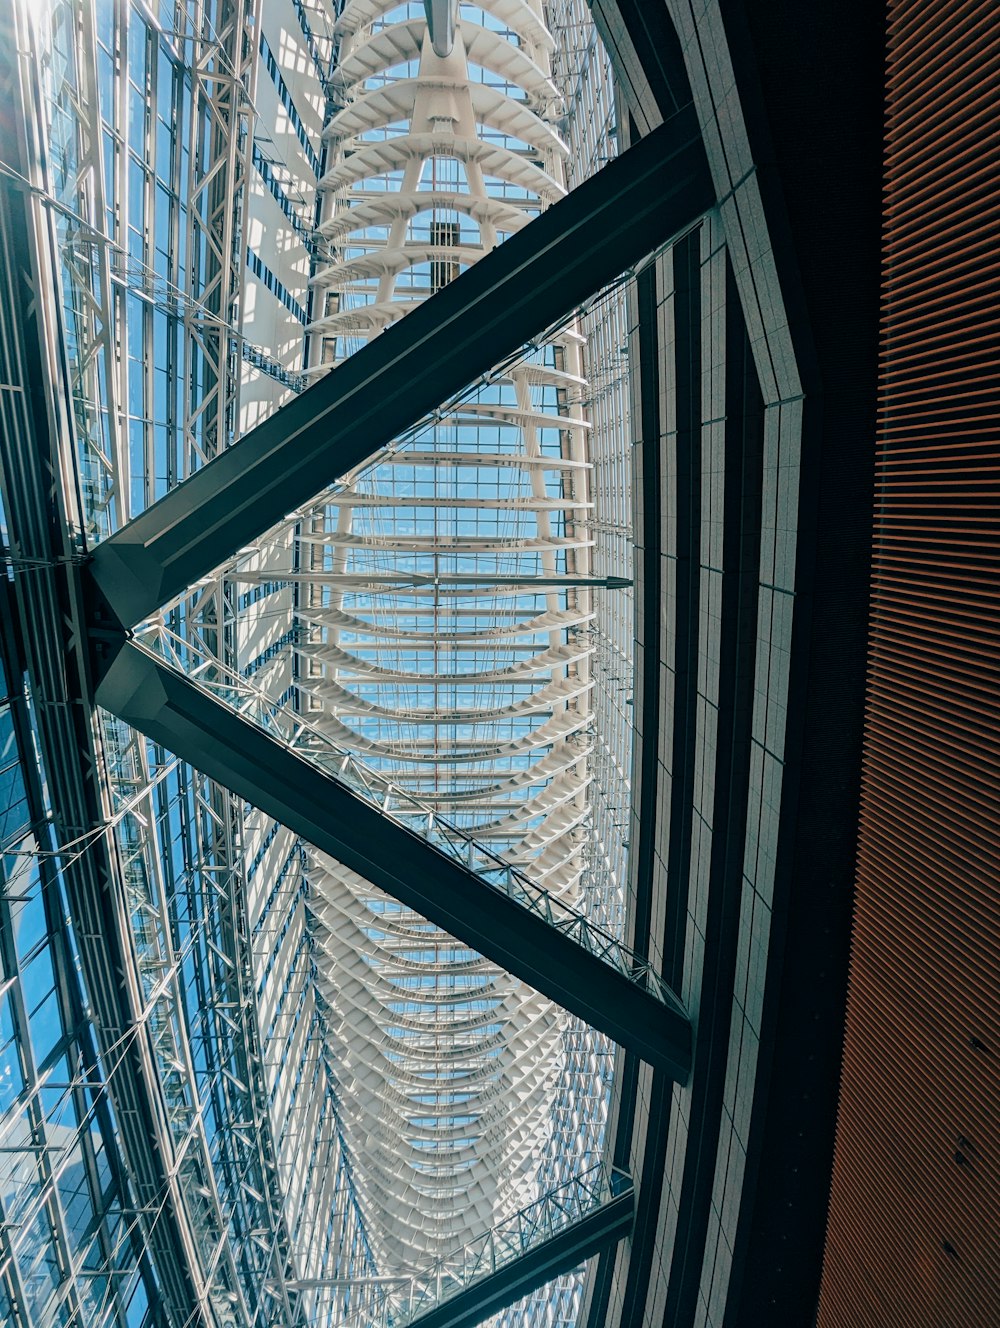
point(70, 1245)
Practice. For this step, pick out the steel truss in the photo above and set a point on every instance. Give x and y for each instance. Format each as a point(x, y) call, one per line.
point(557, 1232)
point(543, 271)
point(491, 310)
point(495, 910)
point(175, 713)
point(190, 1227)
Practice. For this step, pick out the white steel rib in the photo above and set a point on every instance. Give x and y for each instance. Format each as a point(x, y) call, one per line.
point(396, 101)
point(382, 211)
point(443, 631)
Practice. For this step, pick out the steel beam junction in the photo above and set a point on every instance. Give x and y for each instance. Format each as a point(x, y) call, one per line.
point(652, 193)
point(641, 200)
point(553, 949)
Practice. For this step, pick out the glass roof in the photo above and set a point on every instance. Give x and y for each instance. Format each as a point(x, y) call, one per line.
point(456, 615)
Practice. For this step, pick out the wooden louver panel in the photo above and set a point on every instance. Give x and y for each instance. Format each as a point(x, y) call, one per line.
point(914, 1228)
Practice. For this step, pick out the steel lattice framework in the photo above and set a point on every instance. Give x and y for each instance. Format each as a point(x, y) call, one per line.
point(469, 692)
point(321, 1088)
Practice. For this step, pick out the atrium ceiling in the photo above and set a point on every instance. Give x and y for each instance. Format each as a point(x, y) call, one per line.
point(444, 628)
point(436, 470)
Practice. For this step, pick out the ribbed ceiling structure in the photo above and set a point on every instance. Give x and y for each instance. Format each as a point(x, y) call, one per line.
point(239, 1088)
point(315, 1096)
point(442, 620)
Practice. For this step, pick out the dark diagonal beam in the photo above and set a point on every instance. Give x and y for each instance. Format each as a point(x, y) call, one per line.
point(635, 203)
point(561, 1253)
point(201, 730)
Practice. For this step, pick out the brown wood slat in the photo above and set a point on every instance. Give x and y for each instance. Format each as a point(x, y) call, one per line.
point(914, 1225)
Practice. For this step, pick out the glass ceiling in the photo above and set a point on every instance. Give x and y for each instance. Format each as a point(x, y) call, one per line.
point(456, 616)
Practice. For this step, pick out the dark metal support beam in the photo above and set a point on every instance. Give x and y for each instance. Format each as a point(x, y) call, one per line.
point(652, 192)
point(566, 1250)
point(213, 738)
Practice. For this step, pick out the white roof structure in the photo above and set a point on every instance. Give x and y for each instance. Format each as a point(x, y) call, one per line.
point(473, 698)
point(261, 1091)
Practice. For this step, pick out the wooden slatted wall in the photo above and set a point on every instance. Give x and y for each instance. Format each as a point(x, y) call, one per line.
point(914, 1228)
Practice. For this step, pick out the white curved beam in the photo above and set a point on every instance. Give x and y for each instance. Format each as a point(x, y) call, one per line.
point(415, 456)
point(396, 101)
point(393, 154)
point(392, 262)
point(539, 419)
point(554, 657)
point(517, 15)
point(431, 750)
point(374, 212)
point(458, 543)
point(551, 618)
point(553, 795)
point(402, 42)
point(346, 702)
point(486, 503)
point(562, 756)
point(368, 318)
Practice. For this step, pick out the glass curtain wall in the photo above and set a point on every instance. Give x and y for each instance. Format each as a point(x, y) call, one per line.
point(453, 629)
point(71, 1248)
point(171, 172)
point(241, 194)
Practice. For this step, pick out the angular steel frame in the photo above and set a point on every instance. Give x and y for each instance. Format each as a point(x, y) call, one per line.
point(571, 251)
point(169, 708)
point(641, 200)
point(566, 1249)
point(654, 192)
